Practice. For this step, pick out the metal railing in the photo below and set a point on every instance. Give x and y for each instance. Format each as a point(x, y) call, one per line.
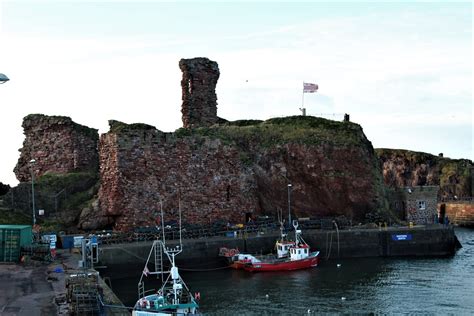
point(264, 227)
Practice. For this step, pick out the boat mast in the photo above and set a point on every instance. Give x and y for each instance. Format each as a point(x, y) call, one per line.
point(162, 220)
point(172, 253)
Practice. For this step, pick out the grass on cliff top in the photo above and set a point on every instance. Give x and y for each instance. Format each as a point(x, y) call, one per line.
point(120, 127)
point(307, 130)
point(415, 156)
point(418, 156)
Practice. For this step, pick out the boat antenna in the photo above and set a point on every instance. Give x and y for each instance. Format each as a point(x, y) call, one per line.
point(179, 211)
point(295, 225)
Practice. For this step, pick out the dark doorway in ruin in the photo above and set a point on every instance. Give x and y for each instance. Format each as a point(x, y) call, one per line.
point(248, 217)
point(405, 211)
point(442, 213)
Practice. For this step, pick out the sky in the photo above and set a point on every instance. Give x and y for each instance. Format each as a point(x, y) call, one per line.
point(401, 69)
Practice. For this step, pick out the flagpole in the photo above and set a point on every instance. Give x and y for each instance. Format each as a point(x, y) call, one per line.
point(302, 103)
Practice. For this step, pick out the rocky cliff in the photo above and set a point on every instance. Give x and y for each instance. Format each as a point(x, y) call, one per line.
point(58, 145)
point(222, 172)
point(402, 168)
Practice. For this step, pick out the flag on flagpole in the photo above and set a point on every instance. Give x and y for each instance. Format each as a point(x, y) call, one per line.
point(146, 271)
point(309, 87)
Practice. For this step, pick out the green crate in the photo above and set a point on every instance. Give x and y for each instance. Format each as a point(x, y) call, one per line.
point(12, 238)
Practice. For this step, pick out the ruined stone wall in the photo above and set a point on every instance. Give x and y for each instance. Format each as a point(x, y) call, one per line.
point(199, 81)
point(58, 145)
point(140, 167)
point(403, 168)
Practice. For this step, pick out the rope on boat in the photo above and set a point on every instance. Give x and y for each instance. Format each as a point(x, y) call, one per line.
point(113, 306)
point(328, 251)
point(132, 254)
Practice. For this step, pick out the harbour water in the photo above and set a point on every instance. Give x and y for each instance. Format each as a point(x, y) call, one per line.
point(352, 286)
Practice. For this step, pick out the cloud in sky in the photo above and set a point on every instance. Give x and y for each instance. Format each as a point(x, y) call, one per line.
point(402, 71)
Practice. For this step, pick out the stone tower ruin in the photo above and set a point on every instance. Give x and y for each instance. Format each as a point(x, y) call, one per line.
point(198, 85)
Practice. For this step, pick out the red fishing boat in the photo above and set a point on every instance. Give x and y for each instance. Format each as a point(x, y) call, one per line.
point(291, 255)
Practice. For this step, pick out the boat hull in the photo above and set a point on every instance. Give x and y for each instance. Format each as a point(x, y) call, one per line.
point(157, 305)
point(288, 265)
point(238, 265)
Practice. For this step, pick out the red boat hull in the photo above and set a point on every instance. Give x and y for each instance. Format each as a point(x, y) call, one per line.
point(306, 263)
point(239, 265)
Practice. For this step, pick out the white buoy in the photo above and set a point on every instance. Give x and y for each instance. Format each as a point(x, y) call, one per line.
point(266, 295)
point(338, 265)
point(343, 298)
point(309, 311)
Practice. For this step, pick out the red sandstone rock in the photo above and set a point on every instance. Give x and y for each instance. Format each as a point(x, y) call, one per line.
point(58, 145)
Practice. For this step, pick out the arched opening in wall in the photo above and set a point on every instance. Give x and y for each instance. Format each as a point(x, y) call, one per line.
point(228, 193)
point(405, 211)
point(442, 213)
point(248, 217)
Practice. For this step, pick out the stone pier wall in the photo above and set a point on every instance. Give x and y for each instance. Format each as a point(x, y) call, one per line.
point(460, 213)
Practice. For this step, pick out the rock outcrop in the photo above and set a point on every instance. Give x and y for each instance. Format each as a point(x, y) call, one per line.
point(198, 85)
point(223, 172)
point(58, 145)
point(404, 168)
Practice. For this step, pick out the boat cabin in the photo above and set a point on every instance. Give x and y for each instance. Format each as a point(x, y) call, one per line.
point(283, 248)
point(299, 252)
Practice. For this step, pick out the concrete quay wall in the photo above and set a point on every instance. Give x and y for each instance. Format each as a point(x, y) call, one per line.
point(435, 240)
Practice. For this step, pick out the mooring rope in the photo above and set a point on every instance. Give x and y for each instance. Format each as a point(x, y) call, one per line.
point(328, 251)
point(205, 270)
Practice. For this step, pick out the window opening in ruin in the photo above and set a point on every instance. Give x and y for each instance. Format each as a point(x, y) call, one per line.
point(422, 205)
point(228, 192)
point(190, 86)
